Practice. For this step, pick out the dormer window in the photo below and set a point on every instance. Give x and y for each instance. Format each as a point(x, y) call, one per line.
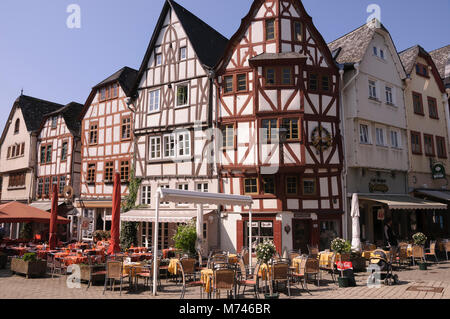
point(54, 121)
point(183, 55)
point(17, 126)
point(158, 59)
point(297, 27)
point(270, 29)
point(422, 70)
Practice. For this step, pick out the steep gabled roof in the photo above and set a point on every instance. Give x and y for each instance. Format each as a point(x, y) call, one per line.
point(126, 77)
point(70, 114)
point(352, 47)
point(441, 58)
point(208, 44)
point(409, 58)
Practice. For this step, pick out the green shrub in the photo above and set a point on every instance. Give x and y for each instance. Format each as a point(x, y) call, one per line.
point(419, 238)
point(341, 246)
point(128, 235)
point(185, 238)
point(29, 257)
point(265, 251)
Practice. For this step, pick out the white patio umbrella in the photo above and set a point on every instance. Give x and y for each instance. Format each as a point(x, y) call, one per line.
point(356, 236)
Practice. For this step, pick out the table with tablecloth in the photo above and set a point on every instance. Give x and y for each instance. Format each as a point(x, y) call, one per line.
point(42, 254)
point(20, 250)
point(61, 255)
point(207, 277)
point(233, 259)
point(133, 268)
point(75, 260)
point(264, 271)
point(173, 268)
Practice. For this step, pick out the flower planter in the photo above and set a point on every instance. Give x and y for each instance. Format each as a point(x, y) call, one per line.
point(359, 264)
point(36, 268)
point(423, 266)
point(343, 282)
point(273, 296)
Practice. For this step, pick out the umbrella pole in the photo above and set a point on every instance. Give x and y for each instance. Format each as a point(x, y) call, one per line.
point(250, 235)
point(155, 242)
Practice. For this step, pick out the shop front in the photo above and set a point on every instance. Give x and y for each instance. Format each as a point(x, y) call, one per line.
point(438, 223)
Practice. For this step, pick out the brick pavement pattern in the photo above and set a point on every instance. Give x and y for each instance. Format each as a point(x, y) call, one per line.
point(437, 275)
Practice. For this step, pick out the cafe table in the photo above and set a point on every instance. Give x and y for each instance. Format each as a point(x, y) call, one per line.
point(207, 277)
point(172, 268)
point(74, 260)
point(325, 258)
point(132, 269)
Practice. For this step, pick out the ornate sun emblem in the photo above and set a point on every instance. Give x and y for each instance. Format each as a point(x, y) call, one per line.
point(321, 138)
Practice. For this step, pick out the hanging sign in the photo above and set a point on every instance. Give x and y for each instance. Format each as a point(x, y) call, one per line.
point(438, 171)
point(380, 214)
point(85, 222)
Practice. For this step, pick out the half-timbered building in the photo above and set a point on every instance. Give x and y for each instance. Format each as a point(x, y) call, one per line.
point(59, 162)
point(278, 108)
point(106, 148)
point(173, 117)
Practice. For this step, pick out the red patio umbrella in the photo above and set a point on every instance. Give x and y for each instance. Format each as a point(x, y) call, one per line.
point(115, 218)
point(52, 240)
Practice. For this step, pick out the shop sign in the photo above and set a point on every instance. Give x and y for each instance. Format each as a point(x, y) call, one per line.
point(302, 215)
point(378, 185)
point(346, 265)
point(438, 171)
point(380, 214)
point(85, 222)
point(266, 224)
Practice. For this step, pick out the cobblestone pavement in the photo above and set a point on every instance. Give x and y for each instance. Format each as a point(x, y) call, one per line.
point(437, 275)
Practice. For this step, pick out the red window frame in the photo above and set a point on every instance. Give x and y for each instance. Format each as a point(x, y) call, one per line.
point(431, 138)
point(440, 139)
point(418, 135)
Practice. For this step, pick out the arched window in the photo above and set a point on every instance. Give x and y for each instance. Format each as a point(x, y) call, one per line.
point(17, 126)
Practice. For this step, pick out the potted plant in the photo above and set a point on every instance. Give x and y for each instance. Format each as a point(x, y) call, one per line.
point(29, 265)
point(420, 239)
point(186, 237)
point(343, 248)
point(264, 253)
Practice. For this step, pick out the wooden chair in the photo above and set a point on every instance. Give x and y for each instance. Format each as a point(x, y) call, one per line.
point(403, 258)
point(312, 269)
point(417, 252)
point(95, 270)
point(250, 281)
point(313, 251)
point(280, 273)
point(186, 284)
point(299, 274)
point(431, 251)
point(224, 279)
point(189, 267)
point(114, 271)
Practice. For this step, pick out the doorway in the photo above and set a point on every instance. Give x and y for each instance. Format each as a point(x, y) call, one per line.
point(301, 234)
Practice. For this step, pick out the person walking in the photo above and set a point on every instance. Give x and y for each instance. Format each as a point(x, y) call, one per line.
point(391, 239)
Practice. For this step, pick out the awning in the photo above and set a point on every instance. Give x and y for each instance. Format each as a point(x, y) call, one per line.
point(165, 216)
point(181, 196)
point(94, 203)
point(443, 195)
point(403, 202)
point(15, 212)
point(46, 205)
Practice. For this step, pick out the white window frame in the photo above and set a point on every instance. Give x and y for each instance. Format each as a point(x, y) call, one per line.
point(200, 187)
point(176, 94)
point(183, 48)
point(164, 186)
point(398, 138)
point(184, 187)
point(373, 89)
point(391, 92)
point(152, 141)
point(146, 195)
point(153, 108)
point(186, 144)
point(173, 141)
point(361, 133)
point(383, 136)
point(156, 59)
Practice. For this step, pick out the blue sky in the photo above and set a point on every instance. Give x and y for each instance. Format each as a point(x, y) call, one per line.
point(50, 61)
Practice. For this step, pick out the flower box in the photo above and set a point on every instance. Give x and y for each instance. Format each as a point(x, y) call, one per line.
point(36, 268)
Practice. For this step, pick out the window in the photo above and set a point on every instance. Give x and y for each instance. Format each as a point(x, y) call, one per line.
point(298, 31)
point(313, 84)
point(291, 127)
point(153, 101)
point(261, 231)
point(8, 155)
point(382, 54)
point(228, 136)
point(17, 126)
point(416, 146)
point(91, 173)
point(202, 187)
point(126, 128)
point(291, 185)
point(54, 182)
point(102, 94)
point(49, 154)
point(183, 187)
point(228, 84)
point(16, 180)
point(40, 186)
point(428, 141)
point(54, 121)
point(309, 187)
point(380, 136)
point(146, 195)
point(64, 151)
point(158, 59)
point(395, 143)
point(182, 95)
point(372, 89)
point(440, 146)
point(389, 98)
point(93, 134)
point(325, 83)
point(417, 103)
point(47, 186)
point(375, 51)
point(43, 148)
point(182, 53)
point(286, 76)
point(432, 108)
point(184, 144)
point(164, 186)
point(250, 186)
point(124, 171)
point(155, 147)
point(270, 29)
point(268, 185)
point(22, 149)
point(169, 145)
point(241, 82)
point(62, 184)
point(278, 76)
point(270, 76)
point(109, 172)
point(364, 134)
point(115, 90)
point(270, 130)
point(422, 70)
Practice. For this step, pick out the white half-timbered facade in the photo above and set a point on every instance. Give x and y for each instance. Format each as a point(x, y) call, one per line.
point(174, 116)
point(278, 108)
point(107, 148)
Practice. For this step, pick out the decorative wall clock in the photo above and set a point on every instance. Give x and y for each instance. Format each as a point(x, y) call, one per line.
point(321, 138)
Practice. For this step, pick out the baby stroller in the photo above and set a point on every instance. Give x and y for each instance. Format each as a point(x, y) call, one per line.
point(379, 263)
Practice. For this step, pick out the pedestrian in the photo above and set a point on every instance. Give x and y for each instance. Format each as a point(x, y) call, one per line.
point(391, 238)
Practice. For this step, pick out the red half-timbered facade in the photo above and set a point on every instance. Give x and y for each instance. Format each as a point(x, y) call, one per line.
point(278, 108)
point(107, 147)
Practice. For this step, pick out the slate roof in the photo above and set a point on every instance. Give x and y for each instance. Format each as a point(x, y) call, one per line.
point(126, 77)
point(409, 57)
point(70, 113)
point(441, 58)
point(352, 47)
point(34, 110)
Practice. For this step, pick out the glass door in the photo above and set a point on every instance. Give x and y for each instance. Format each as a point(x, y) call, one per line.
point(301, 234)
